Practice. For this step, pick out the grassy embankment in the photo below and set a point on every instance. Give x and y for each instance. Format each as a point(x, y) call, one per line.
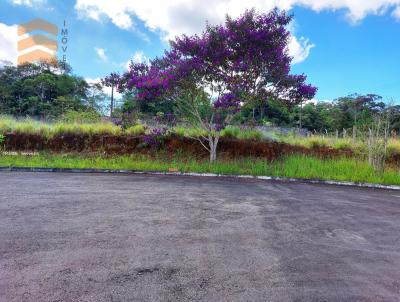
point(298, 166)
point(292, 166)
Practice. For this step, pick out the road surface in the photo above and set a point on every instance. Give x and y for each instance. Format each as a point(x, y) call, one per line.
point(102, 237)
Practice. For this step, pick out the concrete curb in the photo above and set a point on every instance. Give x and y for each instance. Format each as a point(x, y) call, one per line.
point(274, 178)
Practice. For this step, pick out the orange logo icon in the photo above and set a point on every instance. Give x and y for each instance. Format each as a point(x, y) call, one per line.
point(37, 47)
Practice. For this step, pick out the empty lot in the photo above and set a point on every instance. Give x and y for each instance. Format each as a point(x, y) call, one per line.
point(98, 237)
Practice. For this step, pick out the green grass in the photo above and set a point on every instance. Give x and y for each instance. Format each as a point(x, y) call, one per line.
point(393, 146)
point(293, 166)
point(320, 141)
point(136, 130)
point(30, 126)
point(188, 131)
point(49, 130)
point(228, 132)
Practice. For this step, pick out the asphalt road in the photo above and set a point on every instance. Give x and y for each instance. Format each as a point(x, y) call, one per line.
point(97, 237)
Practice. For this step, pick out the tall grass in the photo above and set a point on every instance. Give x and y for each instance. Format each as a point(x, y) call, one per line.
point(324, 141)
point(296, 166)
point(30, 126)
point(242, 133)
point(228, 132)
point(136, 130)
point(393, 146)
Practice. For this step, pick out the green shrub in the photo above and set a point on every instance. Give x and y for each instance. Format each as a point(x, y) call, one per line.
point(393, 146)
point(180, 131)
point(196, 132)
point(343, 143)
point(250, 134)
point(230, 132)
point(138, 129)
point(188, 132)
point(317, 141)
point(6, 124)
point(82, 117)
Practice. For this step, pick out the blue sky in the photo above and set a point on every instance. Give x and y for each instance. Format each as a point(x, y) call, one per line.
point(343, 48)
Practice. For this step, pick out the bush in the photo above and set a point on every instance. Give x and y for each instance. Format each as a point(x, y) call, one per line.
point(180, 131)
point(196, 132)
point(6, 124)
point(236, 132)
point(81, 117)
point(317, 141)
point(393, 146)
point(125, 120)
point(188, 132)
point(230, 132)
point(344, 143)
point(155, 138)
point(250, 134)
point(138, 129)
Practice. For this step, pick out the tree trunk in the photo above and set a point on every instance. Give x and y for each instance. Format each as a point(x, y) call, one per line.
point(213, 142)
point(112, 101)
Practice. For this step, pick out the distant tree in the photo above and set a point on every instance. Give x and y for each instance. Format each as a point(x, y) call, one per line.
point(41, 90)
point(113, 81)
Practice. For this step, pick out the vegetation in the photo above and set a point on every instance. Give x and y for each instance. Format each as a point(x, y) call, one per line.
point(81, 117)
point(2, 139)
point(89, 123)
point(210, 77)
point(45, 91)
point(232, 81)
point(292, 166)
point(136, 130)
point(30, 126)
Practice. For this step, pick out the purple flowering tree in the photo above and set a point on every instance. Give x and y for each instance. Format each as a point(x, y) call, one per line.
point(212, 75)
point(112, 81)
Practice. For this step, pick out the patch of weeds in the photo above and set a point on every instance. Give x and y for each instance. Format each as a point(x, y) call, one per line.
point(138, 129)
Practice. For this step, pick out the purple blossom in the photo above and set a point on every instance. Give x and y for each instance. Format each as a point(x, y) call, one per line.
point(155, 138)
point(228, 102)
point(117, 120)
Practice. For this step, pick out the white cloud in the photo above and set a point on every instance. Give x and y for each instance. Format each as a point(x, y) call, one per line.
point(299, 49)
point(28, 2)
point(8, 43)
point(101, 52)
point(396, 13)
point(174, 17)
point(138, 57)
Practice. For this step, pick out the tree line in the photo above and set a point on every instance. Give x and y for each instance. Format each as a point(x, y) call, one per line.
point(44, 90)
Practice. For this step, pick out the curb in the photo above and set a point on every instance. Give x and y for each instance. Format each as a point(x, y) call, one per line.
point(139, 172)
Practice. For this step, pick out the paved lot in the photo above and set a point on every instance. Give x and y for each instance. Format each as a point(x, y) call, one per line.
point(81, 237)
